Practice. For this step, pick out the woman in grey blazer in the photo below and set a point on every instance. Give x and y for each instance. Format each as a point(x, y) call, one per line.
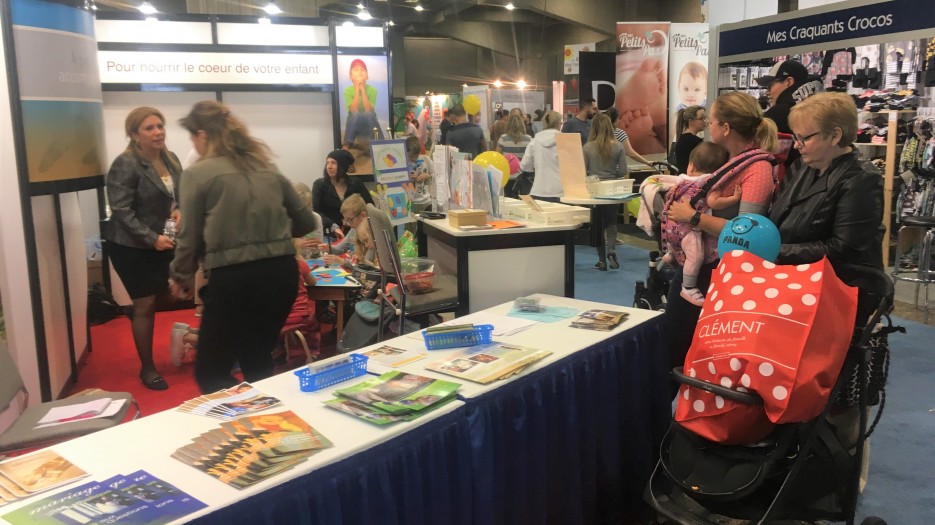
point(142, 187)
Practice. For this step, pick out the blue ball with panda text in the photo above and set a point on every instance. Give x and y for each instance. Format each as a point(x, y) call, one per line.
point(751, 233)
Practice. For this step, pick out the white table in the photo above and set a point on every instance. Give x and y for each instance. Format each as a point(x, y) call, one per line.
point(493, 266)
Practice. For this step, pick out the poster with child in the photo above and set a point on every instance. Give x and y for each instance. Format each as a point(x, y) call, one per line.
point(364, 109)
point(688, 81)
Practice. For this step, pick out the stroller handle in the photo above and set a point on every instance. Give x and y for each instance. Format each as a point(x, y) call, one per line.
point(663, 166)
point(747, 398)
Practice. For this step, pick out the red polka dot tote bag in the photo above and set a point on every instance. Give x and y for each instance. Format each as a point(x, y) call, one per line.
point(781, 332)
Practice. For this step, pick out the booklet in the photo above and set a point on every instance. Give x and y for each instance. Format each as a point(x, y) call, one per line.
point(489, 363)
point(399, 392)
point(134, 499)
point(603, 320)
point(390, 356)
point(252, 448)
point(39, 471)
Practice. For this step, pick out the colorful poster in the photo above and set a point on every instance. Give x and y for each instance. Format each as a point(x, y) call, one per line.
point(688, 64)
point(642, 65)
point(571, 56)
point(389, 161)
point(364, 109)
point(398, 205)
point(60, 91)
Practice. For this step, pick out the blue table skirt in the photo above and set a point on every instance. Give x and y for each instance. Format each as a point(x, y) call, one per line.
point(574, 442)
point(419, 478)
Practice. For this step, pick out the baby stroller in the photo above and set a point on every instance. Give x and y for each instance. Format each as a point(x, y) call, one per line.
point(651, 294)
point(801, 471)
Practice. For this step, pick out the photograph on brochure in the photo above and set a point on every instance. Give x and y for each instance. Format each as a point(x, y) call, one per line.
point(688, 58)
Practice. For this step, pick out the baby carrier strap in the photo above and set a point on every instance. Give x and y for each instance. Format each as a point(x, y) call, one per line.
point(738, 164)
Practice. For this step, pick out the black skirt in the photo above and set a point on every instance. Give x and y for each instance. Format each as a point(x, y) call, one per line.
point(143, 272)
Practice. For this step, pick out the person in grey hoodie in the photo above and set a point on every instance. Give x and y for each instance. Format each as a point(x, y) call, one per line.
point(541, 157)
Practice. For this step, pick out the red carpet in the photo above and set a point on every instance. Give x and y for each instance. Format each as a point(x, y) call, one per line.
point(113, 364)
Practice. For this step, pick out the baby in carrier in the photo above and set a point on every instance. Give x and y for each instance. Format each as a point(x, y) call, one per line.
point(682, 243)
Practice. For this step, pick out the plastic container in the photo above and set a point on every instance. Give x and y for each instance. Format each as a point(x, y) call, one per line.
point(481, 334)
point(561, 215)
point(328, 376)
point(418, 275)
point(609, 187)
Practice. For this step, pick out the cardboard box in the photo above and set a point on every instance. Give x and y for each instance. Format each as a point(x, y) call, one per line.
point(467, 217)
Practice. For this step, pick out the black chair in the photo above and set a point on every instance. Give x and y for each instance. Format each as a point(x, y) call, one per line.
point(419, 307)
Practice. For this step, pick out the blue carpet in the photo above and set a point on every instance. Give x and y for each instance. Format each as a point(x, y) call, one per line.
point(901, 484)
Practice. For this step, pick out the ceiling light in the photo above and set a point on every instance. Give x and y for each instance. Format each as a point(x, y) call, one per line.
point(497, 83)
point(147, 8)
point(419, 7)
point(509, 6)
point(364, 14)
point(264, 20)
point(521, 84)
point(390, 23)
point(272, 9)
point(464, 85)
point(348, 23)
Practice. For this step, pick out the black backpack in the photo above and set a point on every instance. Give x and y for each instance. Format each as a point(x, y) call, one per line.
point(101, 305)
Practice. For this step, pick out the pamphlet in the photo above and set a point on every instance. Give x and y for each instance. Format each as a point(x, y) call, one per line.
point(38, 471)
point(390, 356)
point(603, 320)
point(230, 403)
point(134, 499)
point(399, 392)
point(490, 363)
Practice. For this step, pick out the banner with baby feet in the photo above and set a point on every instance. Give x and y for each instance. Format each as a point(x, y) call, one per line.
point(642, 86)
point(781, 332)
point(688, 70)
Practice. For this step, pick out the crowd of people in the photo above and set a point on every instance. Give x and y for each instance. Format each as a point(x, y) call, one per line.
point(829, 204)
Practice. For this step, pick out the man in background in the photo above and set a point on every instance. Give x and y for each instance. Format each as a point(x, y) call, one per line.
point(445, 125)
point(465, 136)
point(581, 123)
point(786, 84)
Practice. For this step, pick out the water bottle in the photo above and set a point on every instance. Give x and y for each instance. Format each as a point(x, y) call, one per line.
point(170, 229)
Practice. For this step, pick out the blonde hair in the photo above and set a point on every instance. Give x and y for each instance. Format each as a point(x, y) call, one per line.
point(745, 117)
point(354, 204)
point(829, 110)
point(515, 127)
point(552, 120)
point(227, 135)
point(602, 135)
point(363, 235)
point(304, 192)
point(132, 125)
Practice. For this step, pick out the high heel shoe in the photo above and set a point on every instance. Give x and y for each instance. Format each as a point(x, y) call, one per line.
point(153, 381)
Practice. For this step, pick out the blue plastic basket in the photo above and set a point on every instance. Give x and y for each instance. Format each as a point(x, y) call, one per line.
point(309, 382)
point(479, 335)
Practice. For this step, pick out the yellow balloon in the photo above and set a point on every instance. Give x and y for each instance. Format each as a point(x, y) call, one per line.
point(498, 161)
point(472, 104)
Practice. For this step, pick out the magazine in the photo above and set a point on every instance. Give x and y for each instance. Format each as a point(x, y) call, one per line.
point(252, 448)
point(399, 393)
point(490, 363)
point(136, 498)
point(390, 356)
point(603, 320)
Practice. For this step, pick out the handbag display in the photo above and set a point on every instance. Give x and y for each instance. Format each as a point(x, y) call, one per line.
point(780, 332)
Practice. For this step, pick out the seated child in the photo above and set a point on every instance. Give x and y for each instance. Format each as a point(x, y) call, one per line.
point(302, 315)
point(683, 244)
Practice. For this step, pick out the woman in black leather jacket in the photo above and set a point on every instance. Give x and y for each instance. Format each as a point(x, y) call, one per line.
point(833, 203)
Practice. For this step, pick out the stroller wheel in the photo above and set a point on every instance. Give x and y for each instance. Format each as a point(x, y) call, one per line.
point(643, 303)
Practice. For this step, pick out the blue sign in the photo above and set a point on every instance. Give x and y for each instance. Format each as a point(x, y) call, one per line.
point(895, 16)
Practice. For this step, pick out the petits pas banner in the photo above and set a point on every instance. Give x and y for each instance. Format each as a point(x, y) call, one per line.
point(642, 66)
point(688, 70)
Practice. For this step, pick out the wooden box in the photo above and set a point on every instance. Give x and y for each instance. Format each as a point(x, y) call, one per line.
point(467, 217)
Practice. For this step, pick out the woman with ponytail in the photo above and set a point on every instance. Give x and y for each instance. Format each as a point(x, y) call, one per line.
point(241, 215)
point(689, 122)
point(735, 122)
